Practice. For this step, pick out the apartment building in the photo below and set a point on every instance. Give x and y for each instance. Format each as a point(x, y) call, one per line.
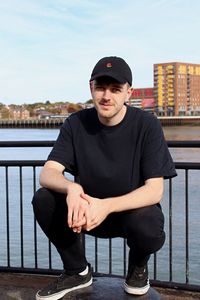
point(177, 89)
point(19, 113)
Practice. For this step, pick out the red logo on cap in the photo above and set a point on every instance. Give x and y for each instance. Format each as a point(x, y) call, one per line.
point(109, 65)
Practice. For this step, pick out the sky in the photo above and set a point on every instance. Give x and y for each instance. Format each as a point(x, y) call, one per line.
point(48, 48)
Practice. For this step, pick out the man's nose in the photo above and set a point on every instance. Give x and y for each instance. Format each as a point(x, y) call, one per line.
point(107, 94)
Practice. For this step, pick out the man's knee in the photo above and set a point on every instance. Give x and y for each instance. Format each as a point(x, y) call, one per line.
point(44, 206)
point(152, 222)
point(148, 229)
point(46, 201)
point(39, 197)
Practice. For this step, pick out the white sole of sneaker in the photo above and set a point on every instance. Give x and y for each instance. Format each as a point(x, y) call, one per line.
point(64, 292)
point(136, 290)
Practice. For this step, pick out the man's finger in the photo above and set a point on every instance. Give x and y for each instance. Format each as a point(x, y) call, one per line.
point(79, 223)
point(69, 217)
point(75, 217)
point(77, 229)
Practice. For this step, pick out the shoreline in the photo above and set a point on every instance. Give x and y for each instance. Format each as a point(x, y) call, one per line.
point(57, 122)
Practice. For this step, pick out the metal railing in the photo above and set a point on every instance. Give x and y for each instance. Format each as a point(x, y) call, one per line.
point(24, 246)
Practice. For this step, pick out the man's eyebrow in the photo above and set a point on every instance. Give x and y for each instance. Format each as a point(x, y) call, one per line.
point(118, 85)
point(115, 85)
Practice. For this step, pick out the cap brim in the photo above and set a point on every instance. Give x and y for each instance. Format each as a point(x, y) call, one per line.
point(110, 74)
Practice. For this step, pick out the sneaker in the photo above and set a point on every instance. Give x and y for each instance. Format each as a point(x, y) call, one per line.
point(137, 282)
point(63, 285)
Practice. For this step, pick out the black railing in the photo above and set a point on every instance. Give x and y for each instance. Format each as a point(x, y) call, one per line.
point(24, 247)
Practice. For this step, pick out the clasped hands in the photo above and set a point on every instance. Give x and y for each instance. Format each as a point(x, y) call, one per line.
point(86, 212)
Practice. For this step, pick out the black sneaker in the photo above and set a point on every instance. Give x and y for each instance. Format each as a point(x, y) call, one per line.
point(63, 285)
point(137, 281)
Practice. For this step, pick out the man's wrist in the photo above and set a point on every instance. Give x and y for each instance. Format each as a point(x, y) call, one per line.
point(110, 206)
point(72, 186)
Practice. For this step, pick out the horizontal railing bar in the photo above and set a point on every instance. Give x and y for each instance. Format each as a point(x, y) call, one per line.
point(183, 144)
point(171, 144)
point(187, 165)
point(12, 144)
point(175, 285)
point(22, 163)
point(38, 271)
point(40, 163)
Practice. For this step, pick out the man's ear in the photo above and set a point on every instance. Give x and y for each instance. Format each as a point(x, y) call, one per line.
point(130, 92)
point(91, 86)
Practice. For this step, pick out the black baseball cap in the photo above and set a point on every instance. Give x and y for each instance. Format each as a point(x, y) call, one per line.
point(114, 67)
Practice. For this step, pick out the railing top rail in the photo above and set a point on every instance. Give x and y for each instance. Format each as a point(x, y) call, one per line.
point(12, 144)
point(22, 163)
point(183, 144)
point(40, 163)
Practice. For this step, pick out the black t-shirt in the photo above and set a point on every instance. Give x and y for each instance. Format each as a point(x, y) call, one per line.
point(113, 160)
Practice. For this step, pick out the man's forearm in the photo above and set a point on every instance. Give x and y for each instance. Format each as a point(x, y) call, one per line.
point(55, 180)
point(149, 194)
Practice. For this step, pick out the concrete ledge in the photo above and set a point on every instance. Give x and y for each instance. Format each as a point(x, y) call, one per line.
point(24, 287)
point(106, 288)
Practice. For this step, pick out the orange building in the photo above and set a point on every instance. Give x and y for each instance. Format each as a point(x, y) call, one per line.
point(177, 89)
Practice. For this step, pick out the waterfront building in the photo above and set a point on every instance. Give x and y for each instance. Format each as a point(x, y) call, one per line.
point(18, 113)
point(177, 89)
point(143, 98)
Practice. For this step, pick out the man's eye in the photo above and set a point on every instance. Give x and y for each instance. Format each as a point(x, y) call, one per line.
point(116, 90)
point(99, 88)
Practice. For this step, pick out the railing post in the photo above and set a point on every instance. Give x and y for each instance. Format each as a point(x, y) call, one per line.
point(186, 229)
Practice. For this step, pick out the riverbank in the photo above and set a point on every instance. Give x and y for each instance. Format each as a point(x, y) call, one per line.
point(57, 122)
point(32, 123)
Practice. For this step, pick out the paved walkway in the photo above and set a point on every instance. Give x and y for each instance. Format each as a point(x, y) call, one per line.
point(24, 287)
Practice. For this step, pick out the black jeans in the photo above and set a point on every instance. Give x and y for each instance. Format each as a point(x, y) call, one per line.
point(143, 229)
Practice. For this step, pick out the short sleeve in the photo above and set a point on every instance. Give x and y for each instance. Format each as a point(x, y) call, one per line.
point(156, 160)
point(63, 151)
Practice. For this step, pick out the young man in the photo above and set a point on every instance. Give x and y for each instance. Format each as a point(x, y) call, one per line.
point(119, 156)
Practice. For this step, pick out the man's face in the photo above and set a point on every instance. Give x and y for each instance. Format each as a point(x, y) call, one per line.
point(109, 97)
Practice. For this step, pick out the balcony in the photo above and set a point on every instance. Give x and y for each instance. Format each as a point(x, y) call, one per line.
point(28, 261)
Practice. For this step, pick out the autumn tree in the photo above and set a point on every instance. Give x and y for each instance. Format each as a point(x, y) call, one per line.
point(73, 107)
point(4, 112)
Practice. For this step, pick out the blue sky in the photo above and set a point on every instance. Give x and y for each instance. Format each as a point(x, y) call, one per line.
point(49, 47)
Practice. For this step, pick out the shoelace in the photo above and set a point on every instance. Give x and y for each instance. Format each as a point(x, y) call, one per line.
point(59, 279)
point(138, 272)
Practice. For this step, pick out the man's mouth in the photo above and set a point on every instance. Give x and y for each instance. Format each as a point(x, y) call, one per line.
point(106, 104)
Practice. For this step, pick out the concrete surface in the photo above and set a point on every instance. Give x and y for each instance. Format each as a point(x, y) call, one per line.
point(24, 287)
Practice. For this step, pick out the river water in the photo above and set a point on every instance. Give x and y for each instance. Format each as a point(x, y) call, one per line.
point(178, 211)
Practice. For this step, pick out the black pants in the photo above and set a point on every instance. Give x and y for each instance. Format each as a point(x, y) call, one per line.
point(143, 229)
